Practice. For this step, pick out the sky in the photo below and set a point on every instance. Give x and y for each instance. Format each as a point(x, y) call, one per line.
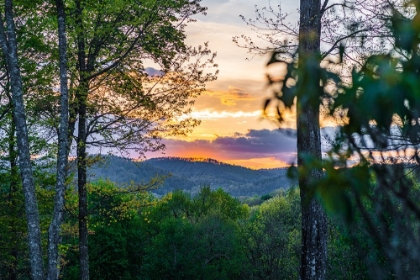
point(232, 129)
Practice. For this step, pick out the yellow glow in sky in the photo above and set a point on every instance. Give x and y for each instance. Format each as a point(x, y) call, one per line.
point(230, 109)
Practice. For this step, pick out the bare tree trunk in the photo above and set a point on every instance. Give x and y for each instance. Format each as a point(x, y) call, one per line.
point(62, 159)
point(314, 224)
point(9, 47)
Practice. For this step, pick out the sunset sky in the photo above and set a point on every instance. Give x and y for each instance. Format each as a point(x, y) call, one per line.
point(232, 129)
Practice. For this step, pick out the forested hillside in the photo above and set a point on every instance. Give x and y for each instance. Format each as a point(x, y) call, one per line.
point(190, 174)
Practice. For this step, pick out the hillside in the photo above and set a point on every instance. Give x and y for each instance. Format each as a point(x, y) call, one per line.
point(190, 174)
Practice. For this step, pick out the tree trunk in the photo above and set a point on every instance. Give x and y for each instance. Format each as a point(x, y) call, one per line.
point(81, 96)
point(9, 46)
point(62, 159)
point(81, 182)
point(14, 178)
point(314, 224)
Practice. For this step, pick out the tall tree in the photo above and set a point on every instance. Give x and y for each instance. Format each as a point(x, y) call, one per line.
point(9, 47)
point(314, 224)
point(308, 93)
point(62, 155)
point(116, 104)
point(357, 24)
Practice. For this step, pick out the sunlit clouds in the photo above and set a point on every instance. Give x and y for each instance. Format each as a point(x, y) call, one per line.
point(251, 149)
point(212, 115)
point(259, 163)
point(256, 148)
point(233, 129)
point(233, 95)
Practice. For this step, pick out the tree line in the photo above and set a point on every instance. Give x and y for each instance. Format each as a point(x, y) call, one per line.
point(212, 235)
point(73, 76)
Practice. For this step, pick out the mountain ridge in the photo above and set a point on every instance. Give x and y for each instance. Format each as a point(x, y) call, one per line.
point(210, 160)
point(189, 174)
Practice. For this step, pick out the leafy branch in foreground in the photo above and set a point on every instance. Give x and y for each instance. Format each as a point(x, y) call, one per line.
point(369, 172)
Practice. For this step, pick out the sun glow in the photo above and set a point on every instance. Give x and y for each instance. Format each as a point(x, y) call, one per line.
point(259, 163)
point(213, 115)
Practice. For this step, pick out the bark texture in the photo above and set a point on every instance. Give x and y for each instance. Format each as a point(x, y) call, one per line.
point(14, 178)
point(82, 191)
point(314, 224)
point(9, 47)
point(62, 159)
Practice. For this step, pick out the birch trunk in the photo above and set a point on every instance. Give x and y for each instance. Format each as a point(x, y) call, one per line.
point(9, 47)
point(62, 159)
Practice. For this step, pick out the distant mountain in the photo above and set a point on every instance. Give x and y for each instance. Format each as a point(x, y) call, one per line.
point(191, 173)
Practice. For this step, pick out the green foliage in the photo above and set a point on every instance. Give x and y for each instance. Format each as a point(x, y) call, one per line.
point(366, 173)
point(14, 255)
point(124, 106)
point(266, 197)
point(271, 238)
point(206, 249)
point(113, 229)
point(194, 237)
point(210, 235)
point(348, 252)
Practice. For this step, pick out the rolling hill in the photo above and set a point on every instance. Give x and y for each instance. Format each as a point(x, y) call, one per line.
point(190, 174)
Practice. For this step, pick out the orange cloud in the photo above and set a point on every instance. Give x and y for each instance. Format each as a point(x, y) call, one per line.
point(263, 148)
point(213, 115)
point(255, 148)
point(232, 95)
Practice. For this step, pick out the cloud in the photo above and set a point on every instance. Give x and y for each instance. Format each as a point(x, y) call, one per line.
point(261, 148)
point(152, 72)
point(278, 145)
point(213, 115)
point(232, 92)
point(231, 98)
point(259, 142)
point(235, 94)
